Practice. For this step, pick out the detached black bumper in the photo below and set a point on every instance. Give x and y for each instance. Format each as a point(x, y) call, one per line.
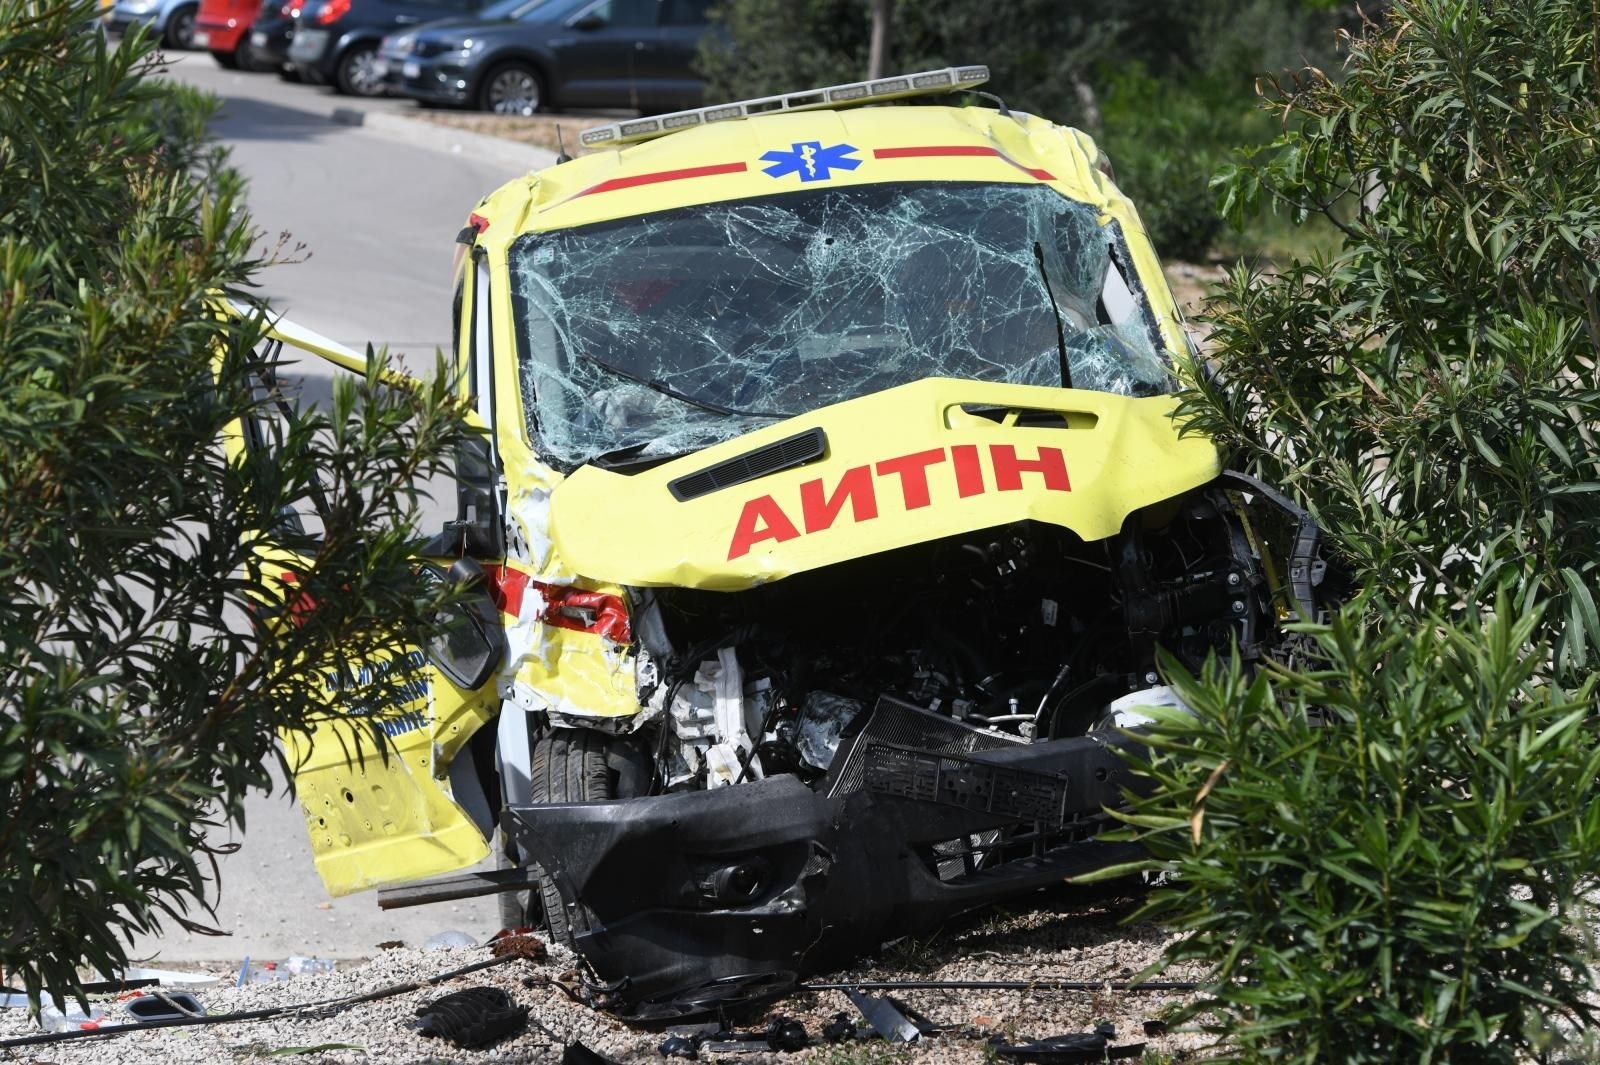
point(699, 900)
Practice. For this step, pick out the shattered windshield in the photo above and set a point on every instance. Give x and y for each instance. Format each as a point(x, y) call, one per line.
point(656, 335)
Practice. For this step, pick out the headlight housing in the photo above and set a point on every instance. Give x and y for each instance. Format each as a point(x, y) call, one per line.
point(441, 46)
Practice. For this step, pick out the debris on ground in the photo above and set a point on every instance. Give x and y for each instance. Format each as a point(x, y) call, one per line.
point(451, 940)
point(164, 1006)
point(1056, 942)
point(884, 1017)
point(1068, 1049)
point(474, 1017)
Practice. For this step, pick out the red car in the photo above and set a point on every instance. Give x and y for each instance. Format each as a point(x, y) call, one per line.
point(223, 28)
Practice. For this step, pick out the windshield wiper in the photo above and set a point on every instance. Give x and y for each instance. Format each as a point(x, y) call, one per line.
point(682, 397)
point(1061, 333)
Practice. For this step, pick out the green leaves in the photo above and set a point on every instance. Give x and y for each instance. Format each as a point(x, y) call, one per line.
point(1430, 392)
point(1412, 863)
point(143, 676)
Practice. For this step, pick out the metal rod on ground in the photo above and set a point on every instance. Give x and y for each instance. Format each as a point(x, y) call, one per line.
point(256, 1015)
point(1002, 985)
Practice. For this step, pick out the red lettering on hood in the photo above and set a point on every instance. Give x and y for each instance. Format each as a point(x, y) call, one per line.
point(1008, 469)
point(764, 518)
point(761, 519)
point(819, 511)
point(913, 472)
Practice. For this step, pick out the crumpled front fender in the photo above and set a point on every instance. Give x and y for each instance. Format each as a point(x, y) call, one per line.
point(769, 881)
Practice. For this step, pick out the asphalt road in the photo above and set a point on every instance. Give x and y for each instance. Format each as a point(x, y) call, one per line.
point(377, 217)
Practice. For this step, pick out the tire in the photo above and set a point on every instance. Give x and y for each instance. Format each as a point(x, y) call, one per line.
point(356, 74)
point(245, 58)
point(511, 89)
point(179, 35)
point(226, 60)
point(569, 765)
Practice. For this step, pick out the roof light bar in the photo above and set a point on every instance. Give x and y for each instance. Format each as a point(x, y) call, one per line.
point(927, 83)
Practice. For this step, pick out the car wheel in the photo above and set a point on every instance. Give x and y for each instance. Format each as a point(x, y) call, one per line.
point(245, 58)
point(511, 89)
point(180, 29)
point(226, 60)
point(569, 765)
point(357, 74)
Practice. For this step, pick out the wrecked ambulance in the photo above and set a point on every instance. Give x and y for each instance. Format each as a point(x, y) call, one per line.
point(831, 515)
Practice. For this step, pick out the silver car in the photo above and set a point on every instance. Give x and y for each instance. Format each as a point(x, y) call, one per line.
point(169, 21)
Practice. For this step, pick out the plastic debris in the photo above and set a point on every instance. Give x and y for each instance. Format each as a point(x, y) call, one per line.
point(1068, 1049)
point(301, 965)
point(261, 972)
point(679, 1046)
point(781, 1033)
point(164, 1006)
point(823, 718)
point(474, 1017)
point(578, 1054)
point(71, 1017)
point(841, 1029)
point(885, 1017)
point(449, 940)
point(166, 977)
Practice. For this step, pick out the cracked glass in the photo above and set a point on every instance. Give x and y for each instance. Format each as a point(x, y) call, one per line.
point(659, 334)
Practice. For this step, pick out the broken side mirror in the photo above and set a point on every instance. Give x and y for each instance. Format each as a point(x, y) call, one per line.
point(473, 644)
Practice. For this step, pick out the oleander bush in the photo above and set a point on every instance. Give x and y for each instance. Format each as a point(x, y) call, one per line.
point(1387, 851)
point(148, 656)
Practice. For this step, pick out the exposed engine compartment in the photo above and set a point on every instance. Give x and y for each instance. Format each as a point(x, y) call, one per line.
point(915, 734)
point(1024, 630)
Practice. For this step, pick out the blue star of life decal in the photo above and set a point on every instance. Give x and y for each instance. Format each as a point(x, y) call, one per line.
point(810, 160)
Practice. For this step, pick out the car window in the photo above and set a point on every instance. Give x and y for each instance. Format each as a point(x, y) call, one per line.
point(629, 13)
point(671, 331)
point(685, 12)
point(512, 8)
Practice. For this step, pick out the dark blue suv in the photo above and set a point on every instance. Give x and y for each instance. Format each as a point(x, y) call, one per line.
point(520, 56)
point(336, 42)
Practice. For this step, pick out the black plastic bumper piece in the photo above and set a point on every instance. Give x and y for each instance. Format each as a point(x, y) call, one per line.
point(699, 901)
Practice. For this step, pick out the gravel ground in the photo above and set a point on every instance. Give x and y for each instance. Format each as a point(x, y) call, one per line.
point(1075, 941)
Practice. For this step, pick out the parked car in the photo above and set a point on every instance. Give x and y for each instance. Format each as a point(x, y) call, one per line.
point(172, 22)
point(337, 41)
point(521, 56)
point(273, 31)
point(222, 27)
point(829, 524)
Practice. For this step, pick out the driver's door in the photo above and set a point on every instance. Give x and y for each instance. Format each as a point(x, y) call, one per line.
point(377, 818)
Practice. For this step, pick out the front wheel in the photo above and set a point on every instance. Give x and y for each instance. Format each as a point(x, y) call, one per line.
point(357, 73)
point(511, 89)
point(569, 765)
point(180, 29)
point(247, 59)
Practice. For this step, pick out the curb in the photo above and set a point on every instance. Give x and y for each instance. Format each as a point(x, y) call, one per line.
point(423, 134)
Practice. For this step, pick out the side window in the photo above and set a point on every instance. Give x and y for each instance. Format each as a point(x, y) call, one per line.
point(628, 13)
point(685, 12)
point(477, 501)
